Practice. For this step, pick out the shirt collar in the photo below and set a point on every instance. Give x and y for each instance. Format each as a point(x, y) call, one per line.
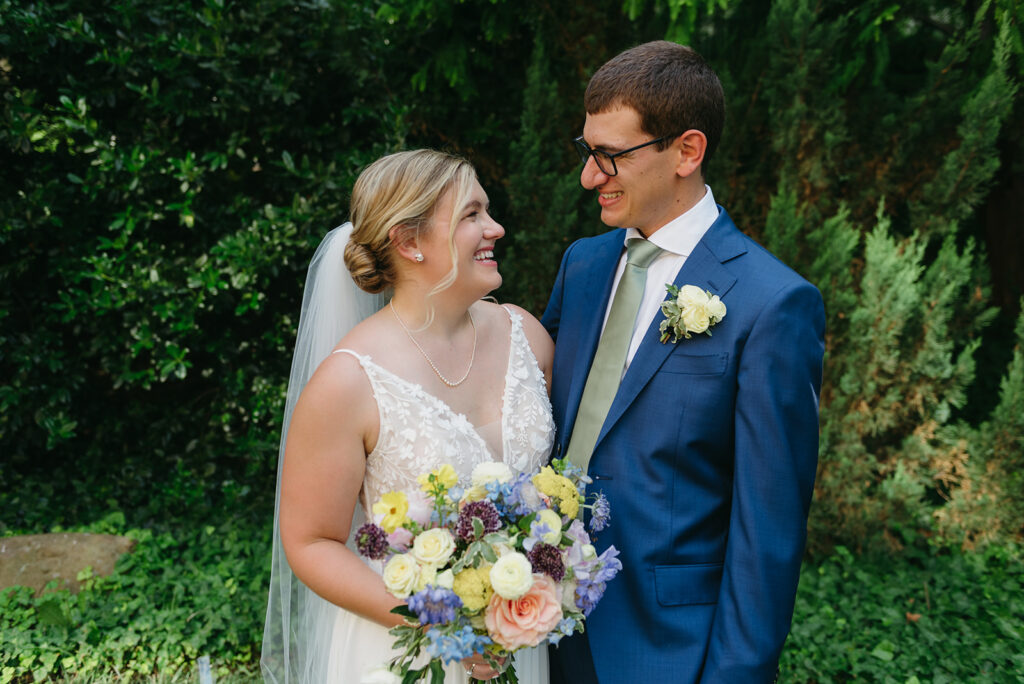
point(681, 234)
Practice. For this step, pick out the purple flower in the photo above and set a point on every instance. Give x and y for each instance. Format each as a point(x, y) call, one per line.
point(577, 533)
point(592, 577)
point(435, 605)
point(372, 541)
point(600, 513)
point(547, 559)
point(609, 565)
point(485, 512)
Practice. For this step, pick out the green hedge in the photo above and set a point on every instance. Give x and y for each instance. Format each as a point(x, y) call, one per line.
point(168, 169)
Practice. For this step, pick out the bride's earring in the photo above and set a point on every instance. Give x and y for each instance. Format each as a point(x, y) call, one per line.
point(418, 258)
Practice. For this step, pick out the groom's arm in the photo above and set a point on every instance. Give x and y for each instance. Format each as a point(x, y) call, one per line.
point(776, 449)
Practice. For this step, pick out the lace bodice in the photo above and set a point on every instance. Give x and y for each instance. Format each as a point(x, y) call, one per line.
point(418, 431)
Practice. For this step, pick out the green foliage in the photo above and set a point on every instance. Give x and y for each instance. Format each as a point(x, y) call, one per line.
point(543, 191)
point(172, 599)
point(986, 491)
point(941, 618)
point(162, 190)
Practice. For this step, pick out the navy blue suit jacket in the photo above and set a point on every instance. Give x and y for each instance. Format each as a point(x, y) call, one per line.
point(707, 456)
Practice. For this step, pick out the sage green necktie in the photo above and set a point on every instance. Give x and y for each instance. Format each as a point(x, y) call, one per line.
point(610, 358)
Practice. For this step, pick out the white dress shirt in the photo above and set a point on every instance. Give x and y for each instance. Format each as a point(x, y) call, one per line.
point(677, 238)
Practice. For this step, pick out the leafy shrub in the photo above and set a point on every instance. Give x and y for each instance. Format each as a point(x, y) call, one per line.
point(939, 618)
point(172, 599)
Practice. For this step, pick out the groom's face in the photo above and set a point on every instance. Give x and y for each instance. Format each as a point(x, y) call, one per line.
point(642, 194)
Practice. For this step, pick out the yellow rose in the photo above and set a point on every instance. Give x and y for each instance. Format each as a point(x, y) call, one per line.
point(434, 547)
point(554, 523)
point(473, 586)
point(394, 506)
point(512, 575)
point(401, 575)
point(444, 476)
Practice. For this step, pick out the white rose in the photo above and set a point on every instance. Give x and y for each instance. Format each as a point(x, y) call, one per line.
point(716, 308)
point(696, 319)
point(589, 552)
point(401, 574)
point(567, 588)
point(491, 471)
point(691, 295)
point(512, 576)
point(434, 547)
point(554, 523)
point(445, 579)
point(380, 675)
point(428, 575)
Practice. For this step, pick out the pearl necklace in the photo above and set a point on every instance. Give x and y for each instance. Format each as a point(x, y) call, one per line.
point(433, 366)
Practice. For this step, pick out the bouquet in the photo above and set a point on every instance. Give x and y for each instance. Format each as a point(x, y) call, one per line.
point(503, 564)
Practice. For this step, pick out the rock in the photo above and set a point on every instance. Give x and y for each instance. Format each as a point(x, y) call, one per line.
point(32, 560)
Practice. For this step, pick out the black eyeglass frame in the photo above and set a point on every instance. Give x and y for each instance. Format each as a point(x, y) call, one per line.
point(586, 152)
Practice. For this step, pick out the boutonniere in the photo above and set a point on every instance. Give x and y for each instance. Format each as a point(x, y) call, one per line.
point(689, 310)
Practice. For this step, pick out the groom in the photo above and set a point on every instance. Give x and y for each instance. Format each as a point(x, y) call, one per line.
point(705, 446)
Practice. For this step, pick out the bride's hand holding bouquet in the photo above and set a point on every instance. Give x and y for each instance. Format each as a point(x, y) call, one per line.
point(487, 570)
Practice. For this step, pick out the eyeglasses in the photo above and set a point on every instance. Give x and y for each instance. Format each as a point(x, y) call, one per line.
point(605, 161)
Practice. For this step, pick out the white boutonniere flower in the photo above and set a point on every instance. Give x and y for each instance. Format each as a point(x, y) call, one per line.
point(689, 310)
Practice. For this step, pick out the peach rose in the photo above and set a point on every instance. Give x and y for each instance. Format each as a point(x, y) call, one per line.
point(524, 621)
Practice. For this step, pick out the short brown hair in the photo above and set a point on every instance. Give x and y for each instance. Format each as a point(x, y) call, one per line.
point(669, 85)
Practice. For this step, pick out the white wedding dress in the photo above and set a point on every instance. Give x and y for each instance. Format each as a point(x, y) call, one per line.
point(419, 432)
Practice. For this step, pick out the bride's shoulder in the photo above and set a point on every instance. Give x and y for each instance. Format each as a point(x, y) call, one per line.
point(538, 338)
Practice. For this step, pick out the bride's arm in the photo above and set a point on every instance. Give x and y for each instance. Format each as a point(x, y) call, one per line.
point(334, 421)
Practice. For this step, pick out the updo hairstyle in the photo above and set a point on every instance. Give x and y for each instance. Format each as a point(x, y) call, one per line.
point(401, 190)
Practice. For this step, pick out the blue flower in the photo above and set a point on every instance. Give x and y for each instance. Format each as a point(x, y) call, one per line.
point(600, 513)
point(435, 605)
point(564, 628)
point(451, 645)
point(523, 497)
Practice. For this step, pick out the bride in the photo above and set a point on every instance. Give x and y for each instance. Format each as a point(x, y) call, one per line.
point(435, 376)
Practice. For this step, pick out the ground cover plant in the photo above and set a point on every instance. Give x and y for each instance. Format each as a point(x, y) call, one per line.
point(937, 618)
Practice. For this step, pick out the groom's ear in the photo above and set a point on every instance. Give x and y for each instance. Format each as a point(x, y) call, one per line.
point(691, 146)
point(404, 239)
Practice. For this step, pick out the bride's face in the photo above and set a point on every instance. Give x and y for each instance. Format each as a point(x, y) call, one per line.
point(473, 241)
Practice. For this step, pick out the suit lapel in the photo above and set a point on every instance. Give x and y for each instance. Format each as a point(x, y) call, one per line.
point(703, 268)
point(599, 273)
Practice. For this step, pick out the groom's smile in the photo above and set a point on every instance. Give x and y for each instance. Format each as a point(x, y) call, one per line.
point(642, 192)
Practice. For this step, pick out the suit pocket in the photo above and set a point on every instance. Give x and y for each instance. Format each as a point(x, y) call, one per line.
point(687, 585)
point(686, 364)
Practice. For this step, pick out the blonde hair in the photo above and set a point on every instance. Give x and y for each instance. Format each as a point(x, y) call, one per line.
point(402, 191)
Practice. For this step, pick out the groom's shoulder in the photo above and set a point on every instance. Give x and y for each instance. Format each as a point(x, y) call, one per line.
point(596, 243)
point(757, 256)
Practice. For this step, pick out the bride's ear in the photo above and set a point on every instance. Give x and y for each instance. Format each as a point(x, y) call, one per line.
point(405, 241)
